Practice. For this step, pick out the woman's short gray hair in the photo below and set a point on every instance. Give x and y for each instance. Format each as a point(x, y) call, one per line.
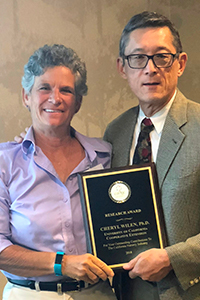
point(49, 57)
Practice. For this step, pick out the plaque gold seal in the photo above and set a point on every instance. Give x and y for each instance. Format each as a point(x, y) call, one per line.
point(119, 191)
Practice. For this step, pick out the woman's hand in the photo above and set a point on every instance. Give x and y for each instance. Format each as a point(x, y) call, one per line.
point(85, 267)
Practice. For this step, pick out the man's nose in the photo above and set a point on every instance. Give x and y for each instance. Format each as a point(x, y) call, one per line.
point(150, 67)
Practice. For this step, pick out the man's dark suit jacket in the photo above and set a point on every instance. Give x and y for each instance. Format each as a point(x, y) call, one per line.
point(178, 168)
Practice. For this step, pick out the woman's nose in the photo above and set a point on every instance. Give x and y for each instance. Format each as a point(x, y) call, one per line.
point(55, 97)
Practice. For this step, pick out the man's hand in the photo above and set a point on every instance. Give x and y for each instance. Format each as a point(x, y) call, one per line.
point(151, 265)
point(85, 267)
point(19, 138)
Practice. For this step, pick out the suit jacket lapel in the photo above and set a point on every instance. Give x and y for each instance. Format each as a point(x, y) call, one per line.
point(123, 138)
point(172, 136)
point(127, 137)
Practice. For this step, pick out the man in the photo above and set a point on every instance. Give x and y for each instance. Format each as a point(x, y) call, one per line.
point(151, 60)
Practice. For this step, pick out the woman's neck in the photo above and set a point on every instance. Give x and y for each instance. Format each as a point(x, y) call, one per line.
point(53, 138)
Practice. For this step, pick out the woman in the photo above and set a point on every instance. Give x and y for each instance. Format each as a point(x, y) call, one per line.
point(43, 243)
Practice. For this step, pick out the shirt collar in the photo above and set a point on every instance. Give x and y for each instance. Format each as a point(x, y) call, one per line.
point(158, 119)
point(28, 144)
point(91, 145)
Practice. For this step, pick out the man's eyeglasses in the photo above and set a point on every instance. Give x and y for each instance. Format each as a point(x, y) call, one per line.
point(160, 60)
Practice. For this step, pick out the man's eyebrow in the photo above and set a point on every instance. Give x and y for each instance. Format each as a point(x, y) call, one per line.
point(163, 48)
point(136, 50)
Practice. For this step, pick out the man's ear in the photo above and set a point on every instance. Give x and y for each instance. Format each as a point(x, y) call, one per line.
point(182, 63)
point(121, 67)
point(78, 103)
point(26, 99)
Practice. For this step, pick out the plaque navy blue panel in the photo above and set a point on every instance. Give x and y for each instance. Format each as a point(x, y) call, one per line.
point(122, 230)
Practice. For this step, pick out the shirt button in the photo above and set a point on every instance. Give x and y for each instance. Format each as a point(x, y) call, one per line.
point(191, 282)
point(71, 250)
point(67, 224)
point(196, 280)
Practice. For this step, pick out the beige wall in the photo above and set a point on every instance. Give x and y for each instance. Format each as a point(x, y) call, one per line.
point(92, 28)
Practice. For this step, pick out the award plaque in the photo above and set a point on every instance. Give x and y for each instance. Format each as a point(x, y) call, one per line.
point(122, 212)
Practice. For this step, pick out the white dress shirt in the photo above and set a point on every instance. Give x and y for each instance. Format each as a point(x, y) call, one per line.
point(158, 120)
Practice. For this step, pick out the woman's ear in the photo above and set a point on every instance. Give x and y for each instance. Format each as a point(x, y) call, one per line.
point(25, 99)
point(78, 103)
